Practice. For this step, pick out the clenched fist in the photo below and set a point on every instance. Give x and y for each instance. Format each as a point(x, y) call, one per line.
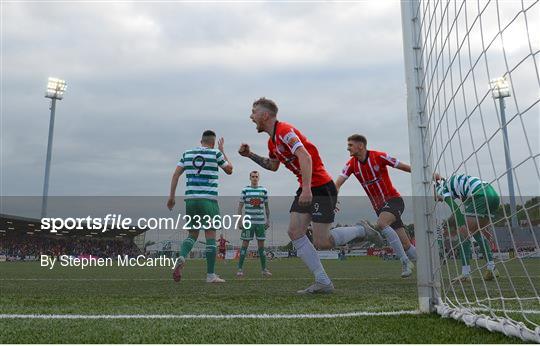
point(244, 150)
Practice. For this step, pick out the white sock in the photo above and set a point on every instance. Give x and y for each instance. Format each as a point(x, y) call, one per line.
point(466, 270)
point(393, 240)
point(343, 235)
point(210, 276)
point(411, 253)
point(491, 265)
point(306, 251)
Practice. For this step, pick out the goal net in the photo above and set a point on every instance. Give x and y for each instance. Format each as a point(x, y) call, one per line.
point(473, 92)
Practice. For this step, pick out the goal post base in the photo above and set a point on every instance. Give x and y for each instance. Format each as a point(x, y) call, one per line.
point(473, 319)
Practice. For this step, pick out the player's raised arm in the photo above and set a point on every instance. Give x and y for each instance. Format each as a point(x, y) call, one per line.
point(225, 164)
point(340, 181)
point(392, 161)
point(404, 167)
point(343, 175)
point(265, 162)
point(443, 194)
point(174, 183)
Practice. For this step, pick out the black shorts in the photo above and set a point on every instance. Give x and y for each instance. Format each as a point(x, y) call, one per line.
point(394, 206)
point(322, 209)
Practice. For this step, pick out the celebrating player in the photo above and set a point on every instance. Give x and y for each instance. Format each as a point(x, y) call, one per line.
point(369, 167)
point(201, 167)
point(254, 201)
point(315, 199)
point(480, 201)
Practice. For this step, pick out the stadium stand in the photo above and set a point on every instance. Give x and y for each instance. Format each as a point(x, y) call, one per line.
point(22, 239)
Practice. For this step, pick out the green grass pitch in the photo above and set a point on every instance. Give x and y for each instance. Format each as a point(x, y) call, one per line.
point(362, 284)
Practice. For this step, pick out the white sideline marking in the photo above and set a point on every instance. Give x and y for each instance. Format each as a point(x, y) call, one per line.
point(210, 316)
point(169, 279)
point(202, 279)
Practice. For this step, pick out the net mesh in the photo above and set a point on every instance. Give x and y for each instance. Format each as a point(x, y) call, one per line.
point(467, 53)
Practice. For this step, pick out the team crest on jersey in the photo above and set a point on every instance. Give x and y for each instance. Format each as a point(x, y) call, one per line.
point(280, 148)
point(376, 168)
point(255, 202)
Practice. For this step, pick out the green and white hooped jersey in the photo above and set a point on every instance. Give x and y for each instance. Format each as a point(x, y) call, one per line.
point(201, 169)
point(458, 186)
point(254, 199)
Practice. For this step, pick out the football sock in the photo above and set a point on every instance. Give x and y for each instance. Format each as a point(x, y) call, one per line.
point(186, 246)
point(411, 253)
point(393, 240)
point(210, 256)
point(262, 257)
point(243, 252)
point(466, 270)
point(465, 252)
point(306, 251)
point(490, 265)
point(343, 235)
point(484, 246)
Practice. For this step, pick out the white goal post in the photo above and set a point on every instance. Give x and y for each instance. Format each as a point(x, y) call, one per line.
point(473, 105)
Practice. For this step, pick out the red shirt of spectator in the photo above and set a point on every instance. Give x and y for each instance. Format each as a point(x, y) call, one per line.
point(222, 243)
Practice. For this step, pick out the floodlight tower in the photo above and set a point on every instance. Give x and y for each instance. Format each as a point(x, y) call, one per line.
point(55, 91)
point(500, 88)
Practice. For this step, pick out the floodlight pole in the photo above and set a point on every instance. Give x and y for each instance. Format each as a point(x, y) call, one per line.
point(509, 175)
point(48, 161)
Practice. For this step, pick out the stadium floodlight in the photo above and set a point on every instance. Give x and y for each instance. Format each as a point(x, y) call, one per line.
point(55, 91)
point(55, 88)
point(500, 88)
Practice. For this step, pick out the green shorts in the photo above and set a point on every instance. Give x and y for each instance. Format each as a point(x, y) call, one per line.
point(484, 202)
point(200, 212)
point(258, 230)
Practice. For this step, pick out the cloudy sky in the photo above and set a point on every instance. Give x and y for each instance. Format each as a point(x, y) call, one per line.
point(145, 79)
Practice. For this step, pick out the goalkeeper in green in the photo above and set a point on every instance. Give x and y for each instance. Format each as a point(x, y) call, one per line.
point(480, 201)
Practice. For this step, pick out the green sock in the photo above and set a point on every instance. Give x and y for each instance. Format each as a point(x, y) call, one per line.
point(441, 246)
point(186, 246)
point(484, 246)
point(210, 256)
point(262, 257)
point(465, 252)
point(243, 252)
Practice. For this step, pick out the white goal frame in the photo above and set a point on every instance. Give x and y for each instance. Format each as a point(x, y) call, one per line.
point(428, 264)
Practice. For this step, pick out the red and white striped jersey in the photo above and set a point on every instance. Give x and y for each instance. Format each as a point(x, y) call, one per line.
point(282, 147)
point(372, 173)
point(222, 243)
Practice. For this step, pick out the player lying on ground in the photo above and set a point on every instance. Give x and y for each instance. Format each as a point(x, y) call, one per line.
point(254, 203)
point(201, 167)
point(370, 168)
point(315, 199)
point(481, 201)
